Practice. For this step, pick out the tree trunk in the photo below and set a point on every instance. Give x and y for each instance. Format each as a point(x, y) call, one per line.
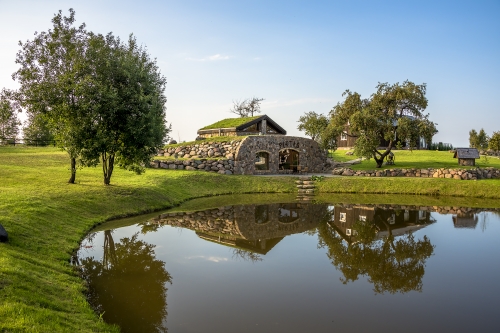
point(73, 171)
point(108, 161)
point(380, 160)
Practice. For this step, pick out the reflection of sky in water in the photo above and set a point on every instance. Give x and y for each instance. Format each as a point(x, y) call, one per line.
point(295, 288)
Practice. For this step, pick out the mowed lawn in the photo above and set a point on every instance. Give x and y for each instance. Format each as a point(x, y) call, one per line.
point(421, 159)
point(46, 218)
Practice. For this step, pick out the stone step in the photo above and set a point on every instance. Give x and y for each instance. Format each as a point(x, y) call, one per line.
point(306, 186)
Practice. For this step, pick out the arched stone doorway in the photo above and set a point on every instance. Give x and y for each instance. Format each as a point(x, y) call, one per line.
point(288, 159)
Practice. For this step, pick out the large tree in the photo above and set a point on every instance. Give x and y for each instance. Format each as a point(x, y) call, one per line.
point(313, 124)
point(9, 123)
point(103, 99)
point(473, 143)
point(54, 78)
point(36, 130)
point(393, 111)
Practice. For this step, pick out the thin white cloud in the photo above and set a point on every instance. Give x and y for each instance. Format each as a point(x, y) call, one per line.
point(213, 259)
point(215, 57)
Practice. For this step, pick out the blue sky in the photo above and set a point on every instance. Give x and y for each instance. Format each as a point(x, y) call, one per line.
point(298, 55)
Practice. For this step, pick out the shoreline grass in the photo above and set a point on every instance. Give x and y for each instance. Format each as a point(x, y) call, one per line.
point(47, 218)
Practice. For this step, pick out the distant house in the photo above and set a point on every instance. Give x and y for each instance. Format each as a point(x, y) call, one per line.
point(262, 125)
point(348, 138)
point(466, 156)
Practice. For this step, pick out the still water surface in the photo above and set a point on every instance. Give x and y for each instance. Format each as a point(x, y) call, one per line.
point(298, 267)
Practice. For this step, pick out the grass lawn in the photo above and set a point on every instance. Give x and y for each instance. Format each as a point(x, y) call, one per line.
point(46, 219)
point(421, 159)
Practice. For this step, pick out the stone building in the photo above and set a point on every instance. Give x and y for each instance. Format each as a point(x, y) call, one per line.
point(466, 156)
point(258, 125)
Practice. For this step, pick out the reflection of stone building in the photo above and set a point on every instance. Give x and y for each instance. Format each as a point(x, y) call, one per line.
point(255, 228)
point(465, 220)
point(386, 221)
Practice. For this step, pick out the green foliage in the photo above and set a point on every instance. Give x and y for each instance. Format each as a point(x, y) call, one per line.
point(230, 122)
point(317, 178)
point(473, 142)
point(399, 145)
point(392, 111)
point(9, 123)
point(482, 140)
point(440, 146)
point(208, 140)
point(36, 131)
point(103, 99)
point(494, 142)
point(392, 264)
point(313, 124)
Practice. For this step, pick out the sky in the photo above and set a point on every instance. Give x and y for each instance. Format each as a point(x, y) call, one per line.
point(298, 55)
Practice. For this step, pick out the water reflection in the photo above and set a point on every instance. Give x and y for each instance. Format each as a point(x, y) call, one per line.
point(252, 230)
point(361, 242)
point(276, 250)
point(128, 287)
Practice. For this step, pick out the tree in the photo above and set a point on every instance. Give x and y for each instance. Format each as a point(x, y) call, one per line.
point(473, 142)
point(494, 142)
point(313, 124)
point(135, 304)
point(9, 123)
point(393, 111)
point(482, 140)
point(103, 99)
point(247, 107)
point(129, 108)
point(54, 78)
point(391, 264)
point(36, 130)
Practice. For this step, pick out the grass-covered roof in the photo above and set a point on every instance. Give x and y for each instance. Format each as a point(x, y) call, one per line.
point(230, 122)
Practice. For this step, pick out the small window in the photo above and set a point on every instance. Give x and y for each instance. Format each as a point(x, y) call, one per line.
point(348, 232)
point(422, 215)
point(343, 217)
point(343, 136)
point(392, 219)
point(362, 218)
point(262, 161)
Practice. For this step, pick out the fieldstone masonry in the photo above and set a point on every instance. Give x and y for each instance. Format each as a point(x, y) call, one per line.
point(310, 154)
point(238, 156)
point(460, 174)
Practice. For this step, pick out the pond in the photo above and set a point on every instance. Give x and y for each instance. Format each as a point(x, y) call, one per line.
point(274, 264)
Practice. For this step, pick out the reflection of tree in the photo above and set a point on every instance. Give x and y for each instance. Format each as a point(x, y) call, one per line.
point(128, 287)
point(392, 265)
point(246, 255)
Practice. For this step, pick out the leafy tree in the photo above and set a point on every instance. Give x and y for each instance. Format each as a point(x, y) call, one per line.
point(129, 105)
point(494, 142)
point(392, 265)
point(393, 111)
point(115, 291)
point(9, 123)
point(103, 99)
point(313, 124)
point(482, 140)
point(247, 107)
point(54, 80)
point(473, 140)
point(36, 130)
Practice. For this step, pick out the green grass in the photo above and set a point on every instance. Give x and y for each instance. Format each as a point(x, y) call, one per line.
point(47, 218)
point(421, 159)
point(208, 140)
point(230, 122)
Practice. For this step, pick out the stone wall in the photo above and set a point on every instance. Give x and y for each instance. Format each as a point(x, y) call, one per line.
point(238, 156)
point(222, 166)
point(310, 154)
point(225, 149)
point(462, 174)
